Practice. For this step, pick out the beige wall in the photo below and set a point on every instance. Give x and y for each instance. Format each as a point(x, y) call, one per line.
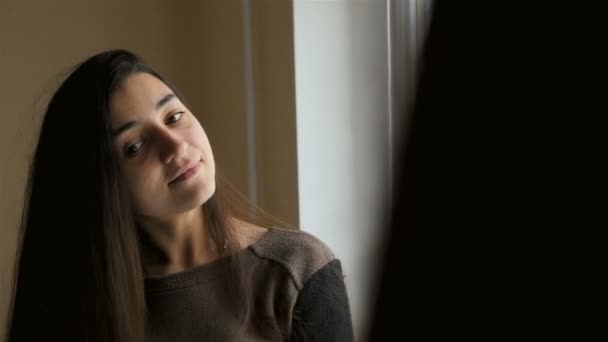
point(198, 45)
point(275, 108)
point(211, 53)
point(209, 48)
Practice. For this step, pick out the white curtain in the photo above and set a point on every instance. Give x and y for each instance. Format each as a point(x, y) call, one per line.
point(408, 21)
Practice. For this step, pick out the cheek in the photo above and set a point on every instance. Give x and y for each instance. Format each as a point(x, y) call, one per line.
point(199, 138)
point(139, 182)
point(203, 141)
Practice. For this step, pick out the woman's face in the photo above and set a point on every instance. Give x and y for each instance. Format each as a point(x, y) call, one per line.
point(163, 152)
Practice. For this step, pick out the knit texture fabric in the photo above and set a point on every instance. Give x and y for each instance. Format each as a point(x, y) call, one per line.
point(298, 295)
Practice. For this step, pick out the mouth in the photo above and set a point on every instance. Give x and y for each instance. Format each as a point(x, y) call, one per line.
point(186, 173)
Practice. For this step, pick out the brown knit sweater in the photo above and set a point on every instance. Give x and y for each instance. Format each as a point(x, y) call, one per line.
point(298, 287)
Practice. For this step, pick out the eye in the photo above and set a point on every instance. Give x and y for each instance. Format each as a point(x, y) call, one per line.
point(173, 118)
point(131, 150)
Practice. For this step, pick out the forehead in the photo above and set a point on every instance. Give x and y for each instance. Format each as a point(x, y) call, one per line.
point(138, 94)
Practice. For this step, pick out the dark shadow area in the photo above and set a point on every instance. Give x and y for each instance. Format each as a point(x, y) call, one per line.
point(497, 214)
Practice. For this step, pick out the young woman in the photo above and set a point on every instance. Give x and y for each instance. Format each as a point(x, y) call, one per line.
point(129, 235)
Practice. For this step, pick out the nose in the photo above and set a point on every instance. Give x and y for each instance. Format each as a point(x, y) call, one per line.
point(171, 146)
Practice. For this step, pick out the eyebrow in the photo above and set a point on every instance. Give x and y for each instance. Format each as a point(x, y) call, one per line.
point(132, 124)
point(164, 100)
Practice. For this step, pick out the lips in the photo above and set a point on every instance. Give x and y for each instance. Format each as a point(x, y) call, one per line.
point(185, 173)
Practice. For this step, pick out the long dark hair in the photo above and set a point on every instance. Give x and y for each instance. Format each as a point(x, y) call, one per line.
point(78, 272)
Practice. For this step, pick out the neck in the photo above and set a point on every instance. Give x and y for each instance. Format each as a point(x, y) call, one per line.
point(176, 243)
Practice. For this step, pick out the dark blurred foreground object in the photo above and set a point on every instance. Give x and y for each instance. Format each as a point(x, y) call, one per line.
point(496, 223)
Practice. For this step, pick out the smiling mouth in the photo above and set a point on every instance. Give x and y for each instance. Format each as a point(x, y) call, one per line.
point(186, 174)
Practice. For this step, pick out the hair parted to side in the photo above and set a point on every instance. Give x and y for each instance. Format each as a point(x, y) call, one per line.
point(78, 272)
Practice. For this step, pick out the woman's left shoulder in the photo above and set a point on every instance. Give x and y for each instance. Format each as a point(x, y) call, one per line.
point(300, 252)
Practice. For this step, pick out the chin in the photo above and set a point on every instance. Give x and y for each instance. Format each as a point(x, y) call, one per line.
point(206, 195)
point(195, 198)
point(174, 202)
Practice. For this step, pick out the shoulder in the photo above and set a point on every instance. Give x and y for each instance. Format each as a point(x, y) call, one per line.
point(300, 253)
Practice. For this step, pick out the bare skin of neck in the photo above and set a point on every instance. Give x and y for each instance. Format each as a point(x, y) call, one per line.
point(182, 242)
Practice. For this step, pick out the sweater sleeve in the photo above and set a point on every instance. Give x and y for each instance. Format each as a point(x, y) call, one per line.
point(322, 312)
